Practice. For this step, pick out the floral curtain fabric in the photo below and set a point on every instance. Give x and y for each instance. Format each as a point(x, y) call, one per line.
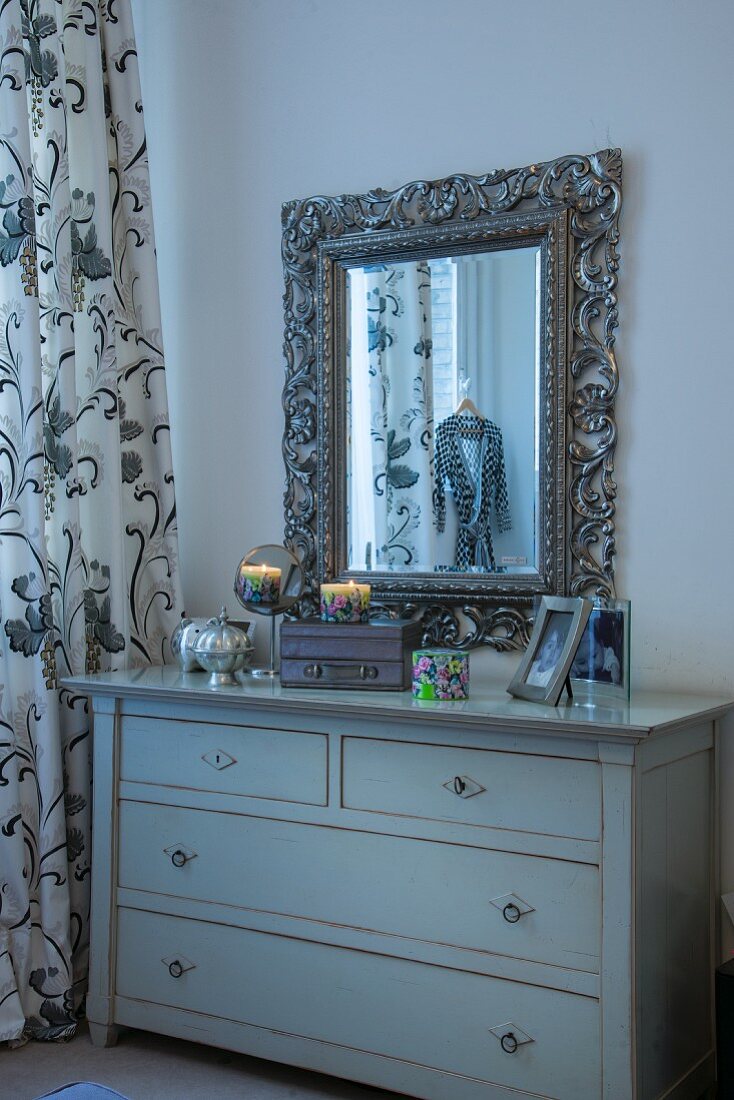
point(392, 390)
point(88, 542)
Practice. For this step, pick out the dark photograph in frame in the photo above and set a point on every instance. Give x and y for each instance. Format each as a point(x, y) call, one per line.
point(543, 672)
point(602, 661)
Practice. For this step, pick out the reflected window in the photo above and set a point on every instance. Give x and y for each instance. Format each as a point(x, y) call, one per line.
point(443, 314)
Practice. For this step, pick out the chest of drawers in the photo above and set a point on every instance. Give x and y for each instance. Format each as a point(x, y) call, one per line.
point(478, 901)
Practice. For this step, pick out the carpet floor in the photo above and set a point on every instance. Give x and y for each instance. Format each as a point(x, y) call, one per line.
point(153, 1067)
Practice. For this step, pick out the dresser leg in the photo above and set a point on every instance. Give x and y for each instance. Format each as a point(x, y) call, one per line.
point(103, 1035)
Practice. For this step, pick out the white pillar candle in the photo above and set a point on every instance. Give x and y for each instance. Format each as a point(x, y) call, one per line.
point(344, 603)
point(259, 583)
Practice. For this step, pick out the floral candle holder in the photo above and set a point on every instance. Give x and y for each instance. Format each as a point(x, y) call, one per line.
point(440, 674)
point(345, 603)
point(258, 584)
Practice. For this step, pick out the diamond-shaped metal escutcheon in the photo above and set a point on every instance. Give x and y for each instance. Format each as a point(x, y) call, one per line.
point(510, 1036)
point(464, 786)
point(219, 759)
point(512, 907)
point(178, 965)
point(179, 854)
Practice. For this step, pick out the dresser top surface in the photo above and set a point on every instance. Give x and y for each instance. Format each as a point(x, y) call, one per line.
point(489, 704)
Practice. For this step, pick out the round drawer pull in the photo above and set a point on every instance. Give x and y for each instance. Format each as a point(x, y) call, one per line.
point(175, 969)
point(509, 1043)
point(511, 913)
point(178, 858)
point(459, 784)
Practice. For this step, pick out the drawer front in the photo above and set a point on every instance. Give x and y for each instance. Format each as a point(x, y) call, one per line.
point(367, 674)
point(286, 765)
point(506, 790)
point(543, 910)
point(329, 642)
point(425, 1014)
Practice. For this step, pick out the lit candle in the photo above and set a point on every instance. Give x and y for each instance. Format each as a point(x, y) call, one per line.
point(345, 603)
point(258, 584)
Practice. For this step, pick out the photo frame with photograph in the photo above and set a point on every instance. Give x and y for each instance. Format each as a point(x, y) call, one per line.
point(543, 671)
point(601, 666)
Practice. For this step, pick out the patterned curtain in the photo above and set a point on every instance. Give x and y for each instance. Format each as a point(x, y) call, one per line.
point(394, 515)
point(88, 542)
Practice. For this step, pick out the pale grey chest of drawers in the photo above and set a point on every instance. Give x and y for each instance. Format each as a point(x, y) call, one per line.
point(478, 901)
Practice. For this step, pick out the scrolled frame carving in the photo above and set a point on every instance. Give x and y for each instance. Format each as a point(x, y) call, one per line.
point(580, 492)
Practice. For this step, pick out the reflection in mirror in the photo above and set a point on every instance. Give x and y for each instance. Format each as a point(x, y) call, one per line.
point(443, 378)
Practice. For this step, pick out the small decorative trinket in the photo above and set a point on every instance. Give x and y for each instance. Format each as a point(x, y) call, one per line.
point(345, 603)
point(222, 649)
point(182, 641)
point(440, 674)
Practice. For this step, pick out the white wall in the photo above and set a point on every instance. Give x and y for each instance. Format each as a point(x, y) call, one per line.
point(253, 102)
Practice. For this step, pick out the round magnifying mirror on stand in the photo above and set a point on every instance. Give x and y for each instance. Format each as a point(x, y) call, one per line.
point(268, 581)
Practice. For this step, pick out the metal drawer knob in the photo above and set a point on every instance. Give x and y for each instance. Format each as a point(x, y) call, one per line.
point(464, 786)
point(179, 854)
point(176, 965)
point(509, 1043)
point(510, 1036)
point(511, 913)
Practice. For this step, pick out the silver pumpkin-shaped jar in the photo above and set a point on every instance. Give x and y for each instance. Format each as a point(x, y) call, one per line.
point(221, 650)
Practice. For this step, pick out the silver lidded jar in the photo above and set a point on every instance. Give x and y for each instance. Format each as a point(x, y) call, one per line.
point(221, 650)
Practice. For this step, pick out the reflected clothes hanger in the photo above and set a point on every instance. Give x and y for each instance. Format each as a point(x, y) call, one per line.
point(466, 405)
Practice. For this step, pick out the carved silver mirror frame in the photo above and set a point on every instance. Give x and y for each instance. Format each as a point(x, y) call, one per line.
point(571, 206)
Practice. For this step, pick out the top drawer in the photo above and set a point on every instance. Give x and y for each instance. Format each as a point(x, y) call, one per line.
point(286, 765)
point(504, 790)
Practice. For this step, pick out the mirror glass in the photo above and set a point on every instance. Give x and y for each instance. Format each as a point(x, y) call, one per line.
point(443, 375)
point(268, 580)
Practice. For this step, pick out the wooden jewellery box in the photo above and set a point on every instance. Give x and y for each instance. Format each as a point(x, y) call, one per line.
point(377, 655)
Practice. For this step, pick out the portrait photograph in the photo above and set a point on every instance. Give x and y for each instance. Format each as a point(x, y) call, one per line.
point(602, 660)
point(543, 672)
point(550, 648)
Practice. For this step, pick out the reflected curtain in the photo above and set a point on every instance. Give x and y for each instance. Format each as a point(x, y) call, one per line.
point(88, 542)
point(392, 380)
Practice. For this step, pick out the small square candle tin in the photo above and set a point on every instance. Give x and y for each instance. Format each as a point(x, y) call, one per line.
point(440, 674)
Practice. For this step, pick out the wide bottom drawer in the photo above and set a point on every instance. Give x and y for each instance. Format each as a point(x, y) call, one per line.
point(507, 1033)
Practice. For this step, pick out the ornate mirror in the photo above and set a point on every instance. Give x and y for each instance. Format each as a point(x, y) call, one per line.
point(450, 393)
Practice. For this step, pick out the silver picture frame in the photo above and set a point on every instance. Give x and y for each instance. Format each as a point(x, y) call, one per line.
point(600, 670)
point(544, 670)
